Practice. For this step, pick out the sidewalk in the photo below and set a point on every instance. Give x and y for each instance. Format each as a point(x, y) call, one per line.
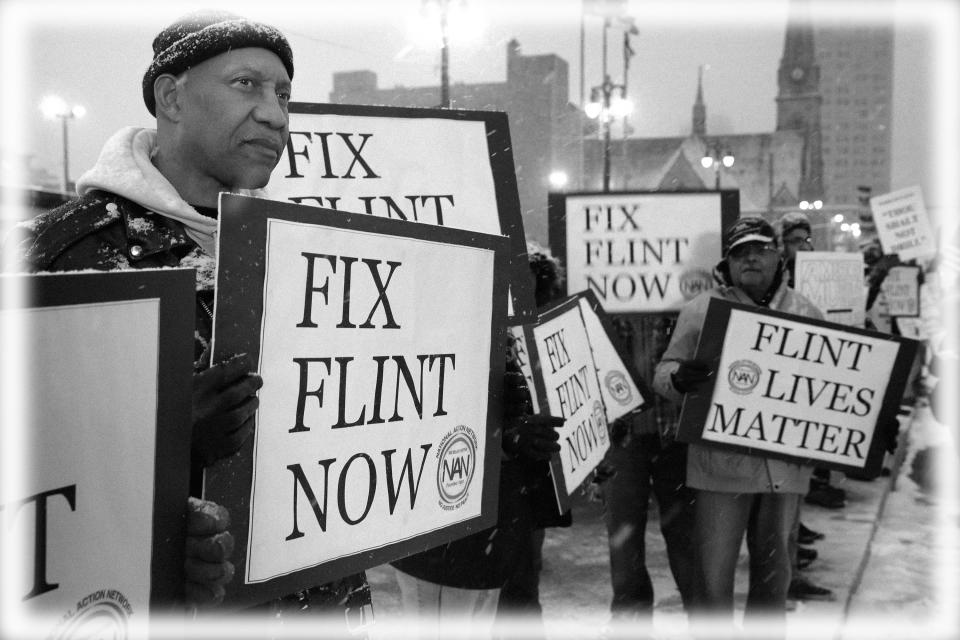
point(862, 559)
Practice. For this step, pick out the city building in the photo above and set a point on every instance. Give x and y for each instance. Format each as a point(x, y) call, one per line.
point(546, 130)
point(856, 82)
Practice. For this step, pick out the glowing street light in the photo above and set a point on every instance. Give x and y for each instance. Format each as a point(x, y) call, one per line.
point(714, 158)
point(439, 22)
point(55, 107)
point(604, 106)
point(558, 179)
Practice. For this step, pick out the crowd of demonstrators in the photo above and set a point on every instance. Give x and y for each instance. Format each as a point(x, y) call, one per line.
point(795, 234)
point(471, 580)
point(219, 87)
point(737, 494)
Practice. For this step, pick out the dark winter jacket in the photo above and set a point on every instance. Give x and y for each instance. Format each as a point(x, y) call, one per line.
point(484, 560)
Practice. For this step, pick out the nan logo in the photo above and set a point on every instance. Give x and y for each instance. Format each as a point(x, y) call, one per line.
point(104, 613)
point(456, 462)
point(618, 387)
point(743, 376)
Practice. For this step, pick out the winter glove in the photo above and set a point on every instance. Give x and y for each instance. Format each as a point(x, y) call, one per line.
point(594, 489)
point(620, 432)
point(208, 549)
point(891, 433)
point(690, 375)
point(532, 436)
point(224, 403)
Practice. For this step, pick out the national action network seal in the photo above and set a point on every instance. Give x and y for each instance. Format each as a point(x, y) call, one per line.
point(456, 461)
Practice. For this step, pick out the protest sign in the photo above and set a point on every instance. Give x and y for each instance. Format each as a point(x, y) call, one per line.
point(640, 252)
point(451, 168)
point(834, 282)
point(381, 348)
point(902, 224)
point(566, 383)
point(97, 461)
point(795, 388)
point(620, 384)
point(901, 288)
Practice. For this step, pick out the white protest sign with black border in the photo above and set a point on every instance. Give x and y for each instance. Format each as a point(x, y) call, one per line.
point(624, 391)
point(901, 288)
point(903, 225)
point(381, 348)
point(640, 252)
point(795, 388)
point(448, 167)
point(834, 282)
point(92, 528)
point(566, 384)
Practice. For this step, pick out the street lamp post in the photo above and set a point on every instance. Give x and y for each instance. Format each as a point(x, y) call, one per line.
point(714, 158)
point(444, 57)
point(605, 106)
point(55, 107)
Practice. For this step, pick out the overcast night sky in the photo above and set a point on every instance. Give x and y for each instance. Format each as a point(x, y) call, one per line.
point(95, 53)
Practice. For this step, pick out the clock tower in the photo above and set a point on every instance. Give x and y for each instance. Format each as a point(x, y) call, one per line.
point(799, 99)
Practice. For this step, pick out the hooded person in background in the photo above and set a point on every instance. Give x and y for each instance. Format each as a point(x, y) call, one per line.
point(219, 86)
point(737, 494)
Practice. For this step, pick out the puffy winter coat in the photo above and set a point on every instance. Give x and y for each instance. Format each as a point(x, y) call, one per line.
point(710, 467)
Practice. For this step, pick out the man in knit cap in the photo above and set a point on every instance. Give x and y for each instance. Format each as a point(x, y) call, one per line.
point(219, 86)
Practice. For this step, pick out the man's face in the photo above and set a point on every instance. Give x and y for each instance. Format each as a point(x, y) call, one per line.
point(797, 240)
point(753, 265)
point(234, 120)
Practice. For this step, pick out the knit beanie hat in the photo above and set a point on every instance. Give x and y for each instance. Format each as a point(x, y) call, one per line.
point(749, 229)
point(202, 35)
point(793, 220)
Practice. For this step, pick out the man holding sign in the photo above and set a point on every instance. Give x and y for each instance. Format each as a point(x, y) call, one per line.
point(737, 493)
point(219, 86)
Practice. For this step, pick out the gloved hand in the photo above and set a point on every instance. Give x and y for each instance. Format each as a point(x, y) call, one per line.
point(594, 490)
point(224, 403)
point(891, 432)
point(532, 436)
point(620, 432)
point(690, 375)
point(208, 549)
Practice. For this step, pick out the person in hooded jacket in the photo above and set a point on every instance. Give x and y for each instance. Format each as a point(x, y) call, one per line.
point(219, 86)
point(737, 494)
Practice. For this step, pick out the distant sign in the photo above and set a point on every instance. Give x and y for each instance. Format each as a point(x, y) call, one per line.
point(445, 167)
point(901, 288)
point(640, 252)
point(903, 224)
point(92, 531)
point(834, 282)
point(380, 345)
point(804, 390)
point(566, 383)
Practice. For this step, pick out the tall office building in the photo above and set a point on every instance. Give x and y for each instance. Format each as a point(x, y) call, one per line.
point(856, 84)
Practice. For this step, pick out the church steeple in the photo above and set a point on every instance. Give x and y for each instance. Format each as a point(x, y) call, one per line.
point(799, 99)
point(699, 109)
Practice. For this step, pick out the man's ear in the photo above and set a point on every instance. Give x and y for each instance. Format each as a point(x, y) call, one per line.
point(166, 92)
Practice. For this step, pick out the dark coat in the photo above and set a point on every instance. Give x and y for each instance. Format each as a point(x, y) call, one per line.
point(107, 232)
